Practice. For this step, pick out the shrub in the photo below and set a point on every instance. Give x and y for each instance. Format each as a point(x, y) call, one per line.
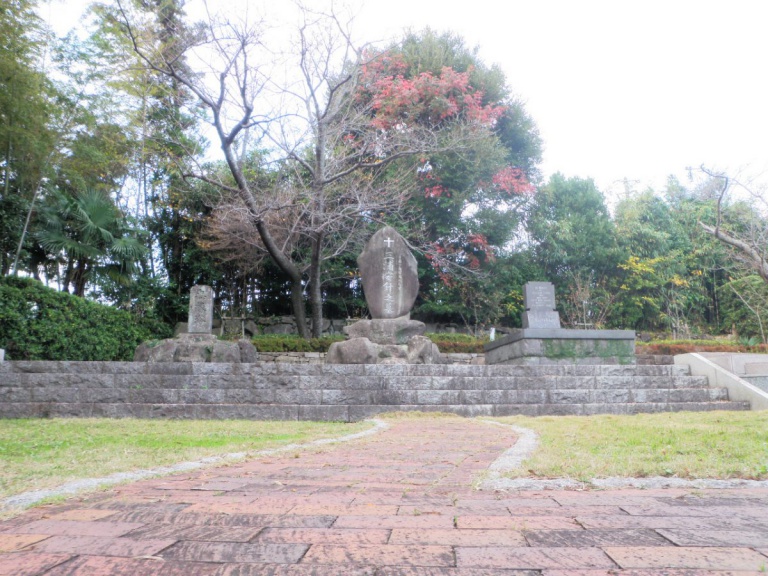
point(39, 323)
point(673, 347)
point(293, 343)
point(458, 343)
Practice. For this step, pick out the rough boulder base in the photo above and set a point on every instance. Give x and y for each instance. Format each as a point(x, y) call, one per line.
point(397, 503)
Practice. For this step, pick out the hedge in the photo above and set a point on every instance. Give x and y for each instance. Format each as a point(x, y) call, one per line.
point(39, 323)
point(292, 343)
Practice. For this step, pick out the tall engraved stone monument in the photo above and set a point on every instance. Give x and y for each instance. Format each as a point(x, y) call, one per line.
point(390, 283)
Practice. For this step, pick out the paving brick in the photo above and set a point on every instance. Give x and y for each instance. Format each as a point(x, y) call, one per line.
point(434, 571)
point(14, 542)
point(566, 511)
point(204, 533)
point(592, 538)
point(655, 522)
point(244, 520)
point(239, 508)
point(697, 511)
point(487, 510)
point(77, 528)
point(345, 510)
point(112, 566)
point(29, 563)
point(380, 555)
point(674, 557)
point(517, 523)
point(82, 515)
point(323, 536)
point(650, 572)
point(93, 545)
point(532, 558)
point(394, 522)
point(295, 570)
point(236, 552)
point(458, 537)
point(715, 537)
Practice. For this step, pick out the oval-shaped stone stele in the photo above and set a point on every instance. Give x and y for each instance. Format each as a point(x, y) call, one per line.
point(389, 274)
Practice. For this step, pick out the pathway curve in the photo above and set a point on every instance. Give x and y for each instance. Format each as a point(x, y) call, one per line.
point(394, 504)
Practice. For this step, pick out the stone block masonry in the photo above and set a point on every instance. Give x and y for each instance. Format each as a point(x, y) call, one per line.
point(286, 391)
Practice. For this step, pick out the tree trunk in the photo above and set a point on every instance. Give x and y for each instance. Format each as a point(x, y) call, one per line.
point(315, 286)
point(297, 302)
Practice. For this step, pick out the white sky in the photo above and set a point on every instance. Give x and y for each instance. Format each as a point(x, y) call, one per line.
point(618, 88)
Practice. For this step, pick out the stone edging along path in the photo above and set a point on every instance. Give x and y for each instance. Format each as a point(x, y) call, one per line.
point(493, 480)
point(27, 499)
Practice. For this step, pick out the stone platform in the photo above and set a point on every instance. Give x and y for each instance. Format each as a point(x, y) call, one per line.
point(562, 346)
point(268, 390)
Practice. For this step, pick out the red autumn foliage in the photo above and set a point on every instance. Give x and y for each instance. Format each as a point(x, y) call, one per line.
point(426, 99)
point(512, 181)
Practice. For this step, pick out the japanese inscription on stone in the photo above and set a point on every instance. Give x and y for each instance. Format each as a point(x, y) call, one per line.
point(539, 302)
point(388, 270)
point(200, 310)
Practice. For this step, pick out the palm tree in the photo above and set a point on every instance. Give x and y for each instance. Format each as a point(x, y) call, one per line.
point(89, 235)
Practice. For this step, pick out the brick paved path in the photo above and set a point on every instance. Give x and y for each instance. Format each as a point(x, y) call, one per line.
point(395, 504)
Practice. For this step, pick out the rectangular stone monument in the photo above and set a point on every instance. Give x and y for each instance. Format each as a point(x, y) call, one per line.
point(200, 310)
point(543, 341)
point(539, 302)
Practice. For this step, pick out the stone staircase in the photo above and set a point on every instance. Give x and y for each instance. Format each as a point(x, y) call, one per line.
point(345, 392)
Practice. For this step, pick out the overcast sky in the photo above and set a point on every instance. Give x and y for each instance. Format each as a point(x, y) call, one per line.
point(620, 89)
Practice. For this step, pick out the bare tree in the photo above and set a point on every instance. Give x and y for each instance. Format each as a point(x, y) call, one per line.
point(340, 171)
point(750, 241)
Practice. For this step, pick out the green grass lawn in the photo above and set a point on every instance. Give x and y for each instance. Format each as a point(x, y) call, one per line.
point(37, 454)
point(683, 444)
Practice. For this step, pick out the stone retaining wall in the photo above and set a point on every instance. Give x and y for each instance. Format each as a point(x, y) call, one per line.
point(319, 358)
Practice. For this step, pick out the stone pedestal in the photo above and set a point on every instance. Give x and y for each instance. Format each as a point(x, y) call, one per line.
point(561, 346)
point(417, 350)
point(196, 348)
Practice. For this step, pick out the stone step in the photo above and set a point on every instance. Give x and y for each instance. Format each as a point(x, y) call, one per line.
point(131, 382)
point(338, 412)
point(272, 368)
point(358, 395)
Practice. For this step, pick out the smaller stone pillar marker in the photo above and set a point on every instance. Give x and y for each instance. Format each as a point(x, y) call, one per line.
point(200, 310)
point(198, 344)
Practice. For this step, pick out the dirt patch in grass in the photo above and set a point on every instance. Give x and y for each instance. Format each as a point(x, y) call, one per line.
point(681, 444)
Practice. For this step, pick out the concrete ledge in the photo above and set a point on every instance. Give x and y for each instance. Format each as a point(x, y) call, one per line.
point(719, 377)
point(562, 346)
point(560, 334)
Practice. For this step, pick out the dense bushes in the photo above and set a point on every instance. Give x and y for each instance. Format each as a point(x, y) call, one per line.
point(39, 323)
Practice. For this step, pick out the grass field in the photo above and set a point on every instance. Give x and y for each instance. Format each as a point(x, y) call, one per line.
point(37, 454)
point(682, 444)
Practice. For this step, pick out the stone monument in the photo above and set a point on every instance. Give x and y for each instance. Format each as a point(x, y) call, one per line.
point(198, 344)
point(539, 303)
point(390, 284)
point(543, 341)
